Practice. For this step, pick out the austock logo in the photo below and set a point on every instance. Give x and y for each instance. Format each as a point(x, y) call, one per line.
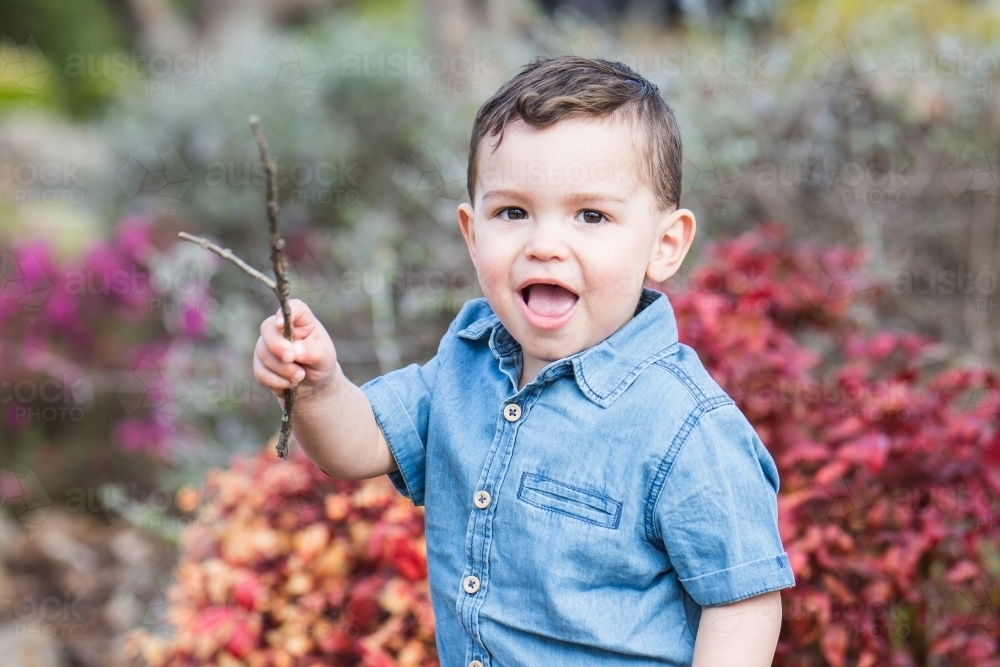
point(50, 399)
point(838, 62)
point(149, 386)
point(288, 491)
point(982, 391)
point(23, 65)
point(974, 169)
point(844, 278)
point(182, 73)
point(711, 174)
point(847, 499)
point(24, 281)
point(974, 605)
point(307, 274)
point(23, 499)
point(965, 602)
point(557, 40)
point(298, 64)
point(144, 604)
point(151, 171)
point(425, 171)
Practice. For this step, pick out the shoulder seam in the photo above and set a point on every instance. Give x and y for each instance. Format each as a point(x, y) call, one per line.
point(666, 463)
point(686, 380)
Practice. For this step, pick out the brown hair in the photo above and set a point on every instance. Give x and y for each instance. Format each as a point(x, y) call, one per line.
point(548, 90)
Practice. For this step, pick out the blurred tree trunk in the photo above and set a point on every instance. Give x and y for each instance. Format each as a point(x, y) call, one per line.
point(499, 16)
point(157, 27)
point(154, 25)
point(451, 24)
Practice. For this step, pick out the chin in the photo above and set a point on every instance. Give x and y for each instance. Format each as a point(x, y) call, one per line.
point(548, 353)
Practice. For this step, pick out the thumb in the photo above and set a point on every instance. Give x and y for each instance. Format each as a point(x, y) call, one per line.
point(315, 350)
point(304, 323)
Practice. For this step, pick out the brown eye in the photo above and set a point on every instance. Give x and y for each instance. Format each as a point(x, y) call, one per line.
point(513, 213)
point(592, 217)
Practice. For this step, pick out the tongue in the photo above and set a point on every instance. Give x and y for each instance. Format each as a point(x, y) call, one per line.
point(550, 300)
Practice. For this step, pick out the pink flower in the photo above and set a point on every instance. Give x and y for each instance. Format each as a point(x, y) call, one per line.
point(134, 236)
point(149, 435)
point(194, 323)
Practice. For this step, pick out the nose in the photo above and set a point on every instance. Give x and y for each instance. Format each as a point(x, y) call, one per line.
point(546, 240)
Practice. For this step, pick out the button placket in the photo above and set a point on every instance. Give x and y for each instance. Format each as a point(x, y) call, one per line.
point(480, 533)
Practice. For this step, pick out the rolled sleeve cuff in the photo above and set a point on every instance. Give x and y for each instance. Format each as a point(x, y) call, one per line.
point(741, 582)
point(401, 434)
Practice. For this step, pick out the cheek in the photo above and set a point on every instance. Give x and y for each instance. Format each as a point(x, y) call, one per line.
point(493, 257)
point(618, 275)
point(492, 268)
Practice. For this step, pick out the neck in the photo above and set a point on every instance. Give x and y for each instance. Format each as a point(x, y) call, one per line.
point(529, 369)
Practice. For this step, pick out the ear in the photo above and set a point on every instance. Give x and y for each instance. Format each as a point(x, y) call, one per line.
point(466, 218)
point(674, 235)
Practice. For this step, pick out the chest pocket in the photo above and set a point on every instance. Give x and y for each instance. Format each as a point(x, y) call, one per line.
point(558, 497)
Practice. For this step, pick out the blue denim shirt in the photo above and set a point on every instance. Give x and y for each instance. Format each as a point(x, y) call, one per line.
point(585, 519)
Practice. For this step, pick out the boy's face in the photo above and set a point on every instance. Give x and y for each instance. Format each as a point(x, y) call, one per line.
point(565, 205)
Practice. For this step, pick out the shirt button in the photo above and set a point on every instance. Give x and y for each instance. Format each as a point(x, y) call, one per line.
point(470, 584)
point(512, 411)
point(475, 663)
point(482, 499)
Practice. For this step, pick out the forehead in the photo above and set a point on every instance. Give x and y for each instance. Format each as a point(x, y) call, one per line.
point(595, 154)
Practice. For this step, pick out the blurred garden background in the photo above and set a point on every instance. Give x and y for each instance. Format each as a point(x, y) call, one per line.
point(840, 157)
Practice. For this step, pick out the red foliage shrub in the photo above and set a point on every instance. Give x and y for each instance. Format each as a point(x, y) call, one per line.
point(888, 506)
point(286, 566)
point(889, 468)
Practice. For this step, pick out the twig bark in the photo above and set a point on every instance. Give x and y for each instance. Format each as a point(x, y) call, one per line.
point(226, 253)
point(280, 264)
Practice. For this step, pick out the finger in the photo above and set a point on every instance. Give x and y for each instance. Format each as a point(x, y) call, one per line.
point(302, 315)
point(276, 342)
point(304, 322)
point(269, 379)
point(315, 351)
point(290, 371)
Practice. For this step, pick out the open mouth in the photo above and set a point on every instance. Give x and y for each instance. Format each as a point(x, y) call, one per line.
point(547, 302)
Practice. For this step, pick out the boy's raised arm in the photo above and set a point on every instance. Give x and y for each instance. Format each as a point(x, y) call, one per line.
point(334, 421)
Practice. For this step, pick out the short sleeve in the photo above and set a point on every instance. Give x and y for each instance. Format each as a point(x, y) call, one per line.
point(401, 401)
point(717, 512)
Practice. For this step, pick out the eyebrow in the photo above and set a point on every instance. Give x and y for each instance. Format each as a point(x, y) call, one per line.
point(572, 198)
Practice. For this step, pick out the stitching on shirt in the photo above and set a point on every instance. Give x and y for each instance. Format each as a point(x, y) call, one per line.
point(780, 559)
point(618, 505)
point(640, 367)
point(754, 594)
point(693, 388)
point(781, 567)
point(475, 330)
point(489, 517)
point(590, 393)
point(378, 421)
point(606, 400)
point(667, 463)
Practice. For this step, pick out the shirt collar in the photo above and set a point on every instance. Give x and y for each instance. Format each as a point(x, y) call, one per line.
point(606, 369)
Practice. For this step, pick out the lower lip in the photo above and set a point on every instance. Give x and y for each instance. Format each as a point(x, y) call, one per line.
point(543, 322)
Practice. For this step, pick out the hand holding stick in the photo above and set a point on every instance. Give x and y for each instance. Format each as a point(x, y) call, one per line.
point(279, 263)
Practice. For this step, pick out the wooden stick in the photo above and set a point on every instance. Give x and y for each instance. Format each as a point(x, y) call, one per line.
point(226, 253)
point(280, 264)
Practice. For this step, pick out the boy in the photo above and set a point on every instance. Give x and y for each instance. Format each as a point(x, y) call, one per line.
point(592, 496)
